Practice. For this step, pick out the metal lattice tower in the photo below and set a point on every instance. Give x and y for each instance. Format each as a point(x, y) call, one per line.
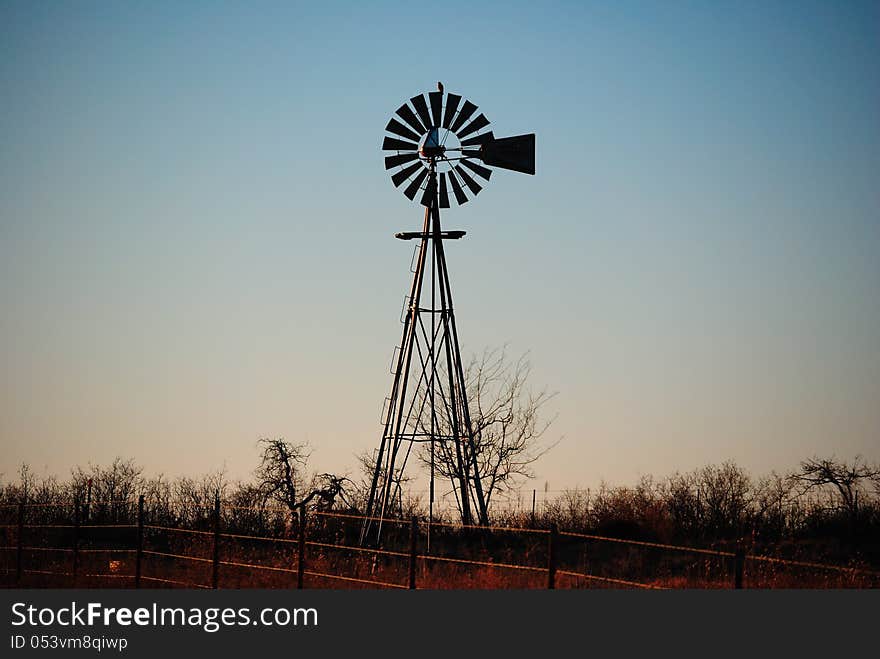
point(428, 402)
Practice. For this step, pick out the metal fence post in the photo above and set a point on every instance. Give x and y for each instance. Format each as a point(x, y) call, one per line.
point(301, 547)
point(551, 556)
point(739, 565)
point(413, 547)
point(216, 563)
point(89, 500)
point(293, 534)
point(139, 557)
point(76, 513)
point(20, 543)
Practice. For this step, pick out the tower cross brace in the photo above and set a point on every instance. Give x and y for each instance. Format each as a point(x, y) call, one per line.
point(428, 403)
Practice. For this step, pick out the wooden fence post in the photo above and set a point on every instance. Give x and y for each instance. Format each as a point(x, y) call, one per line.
point(215, 572)
point(738, 567)
point(413, 547)
point(139, 557)
point(551, 557)
point(76, 513)
point(20, 543)
point(301, 547)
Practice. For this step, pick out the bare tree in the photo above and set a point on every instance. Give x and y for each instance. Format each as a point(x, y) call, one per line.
point(281, 472)
point(725, 493)
point(325, 489)
point(195, 497)
point(774, 506)
point(114, 487)
point(282, 476)
point(361, 490)
point(847, 481)
point(506, 421)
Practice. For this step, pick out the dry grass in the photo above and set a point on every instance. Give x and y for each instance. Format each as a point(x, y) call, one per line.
point(581, 564)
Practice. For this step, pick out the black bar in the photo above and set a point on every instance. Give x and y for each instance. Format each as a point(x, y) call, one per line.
point(460, 196)
point(422, 108)
point(394, 126)
point(466, 111)
point(452, 101)
point(455, 234)
point(478, 169)
point(409, 117)
point(478, 139)
point(551, 556)
point(444, 193)
point(415, 184)
point(394, 161)
point(394, 144)
point(471, 183)
point(436, 99)
point(405, 173)
point(473, 127)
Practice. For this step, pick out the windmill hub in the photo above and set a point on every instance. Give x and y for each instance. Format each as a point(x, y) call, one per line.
point(430, 146)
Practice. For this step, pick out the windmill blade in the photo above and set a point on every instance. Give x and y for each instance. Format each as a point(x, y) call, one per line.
point(471, 153)
point(466, 111)
point(474, 126)
point(430, 193)
point(452, 101)
point(394, 126)
point(394, 161)
point(414, 185)
point(460, 196)
point(516, 153)
point(471, 183)
point(422, 108)
point(405, 173)
point(477, 169)
point(406, 113)
point(393, 144)
point(436, 99)
point(478, 139)
point(444, 193)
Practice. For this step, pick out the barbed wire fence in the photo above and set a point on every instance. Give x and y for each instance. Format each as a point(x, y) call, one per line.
point(122, 544)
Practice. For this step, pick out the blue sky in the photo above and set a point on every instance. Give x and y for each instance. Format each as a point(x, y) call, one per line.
point(196, 227)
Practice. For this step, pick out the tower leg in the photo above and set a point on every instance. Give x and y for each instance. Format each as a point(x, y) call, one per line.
point(401, 373)
point(404, 424)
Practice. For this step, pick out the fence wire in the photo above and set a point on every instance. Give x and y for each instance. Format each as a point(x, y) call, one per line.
point(162, 544)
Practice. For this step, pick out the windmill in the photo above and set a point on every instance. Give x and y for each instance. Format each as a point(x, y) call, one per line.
point(436, 145)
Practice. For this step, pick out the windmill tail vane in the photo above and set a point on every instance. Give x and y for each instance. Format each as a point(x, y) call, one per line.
point(439, 145)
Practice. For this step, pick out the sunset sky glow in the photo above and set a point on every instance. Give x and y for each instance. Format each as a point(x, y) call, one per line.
point(196, 229)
